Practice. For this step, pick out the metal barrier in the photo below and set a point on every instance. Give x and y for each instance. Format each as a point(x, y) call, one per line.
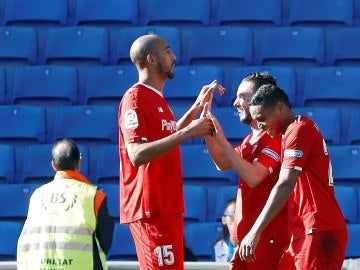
point(126, 265)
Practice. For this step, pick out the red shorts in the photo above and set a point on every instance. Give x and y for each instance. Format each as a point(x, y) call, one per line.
point(267, 254)
point(159, 242)
point(319, 251)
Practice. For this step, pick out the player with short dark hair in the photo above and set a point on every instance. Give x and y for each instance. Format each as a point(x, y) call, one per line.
point(317, 225)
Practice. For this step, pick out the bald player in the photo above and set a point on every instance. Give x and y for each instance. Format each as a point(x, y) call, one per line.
point(151, 186)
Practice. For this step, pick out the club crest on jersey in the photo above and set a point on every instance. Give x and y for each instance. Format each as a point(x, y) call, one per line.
point(293, 153)
point(271, 154)
point(131, 119)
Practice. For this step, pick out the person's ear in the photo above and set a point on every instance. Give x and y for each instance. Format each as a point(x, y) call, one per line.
point(54, 166)
point(151, 59)
point(78, 166)
point(223, 220)
point(280, 107)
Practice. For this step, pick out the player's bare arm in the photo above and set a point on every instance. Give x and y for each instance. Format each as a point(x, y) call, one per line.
point(225, 157)
point(141, 153)
point(277, 199)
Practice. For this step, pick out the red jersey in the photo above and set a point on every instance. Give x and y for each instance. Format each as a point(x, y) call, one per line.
point(250, 201)
point(154, 188)
point(313, 205)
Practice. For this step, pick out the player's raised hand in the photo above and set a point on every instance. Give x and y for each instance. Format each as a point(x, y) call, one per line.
point(218, 131)
point(207, 92)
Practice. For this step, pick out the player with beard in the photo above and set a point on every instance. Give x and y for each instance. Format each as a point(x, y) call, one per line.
point(151, 185)
point(257, 161)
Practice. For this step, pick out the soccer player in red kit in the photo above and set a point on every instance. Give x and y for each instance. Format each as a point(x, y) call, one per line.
point(317, 225)
point(151, 187)
point(257, 161)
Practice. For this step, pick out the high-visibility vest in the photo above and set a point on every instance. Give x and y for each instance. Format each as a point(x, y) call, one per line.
point(58, 232)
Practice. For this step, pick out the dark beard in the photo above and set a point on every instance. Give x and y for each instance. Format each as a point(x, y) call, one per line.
point(170, 75)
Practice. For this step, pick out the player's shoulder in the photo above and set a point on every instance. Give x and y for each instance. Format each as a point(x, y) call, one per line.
point(304, 122)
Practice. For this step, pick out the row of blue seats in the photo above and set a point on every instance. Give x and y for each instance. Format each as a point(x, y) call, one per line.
point(32, 166)
point(105, 85)
point(199, 236)
point(201, 204)
point(288, 45)
point(185, 12)
point(40, 124)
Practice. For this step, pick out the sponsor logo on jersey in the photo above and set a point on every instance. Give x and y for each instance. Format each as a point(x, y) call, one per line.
point(168, 125)
point(131, 119)
point(271, 154)
point(160, 110)
point(293, 153)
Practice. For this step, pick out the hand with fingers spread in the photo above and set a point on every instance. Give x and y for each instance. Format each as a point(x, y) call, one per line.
point(207, 92)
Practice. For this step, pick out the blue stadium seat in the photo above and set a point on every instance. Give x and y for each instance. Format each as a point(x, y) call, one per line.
point(334, 87)
point(18, 46)
point(2, 86)
point(356, 19)
point(35, 13)
point(328, 120)
point(249, 13)
point(11, 231)
point(123, 247)
point(24, 124)
point(112, 14)
point(343, 49)
point(353, 135)
point(14, 199)
point(224, 45)
point(201, 237)
point(106, 85)
point(233, 128)
point(285, 76)
point(353, 247)
point(223, 195)
point(128, 35)
point(76, 46)
point(37, 167)
point(7, 164)
point(106, 13)
point(180, 13)
point(39, 15)
point(184, 88)
point(179, 111)
point(321, 13)
point(195, 204)
point(204, 172)
point(113, 202)
point(45, 86)
point(345, 161)
point(87, 124)
point(347, 197)
point(108, 165)
point(292, 46)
